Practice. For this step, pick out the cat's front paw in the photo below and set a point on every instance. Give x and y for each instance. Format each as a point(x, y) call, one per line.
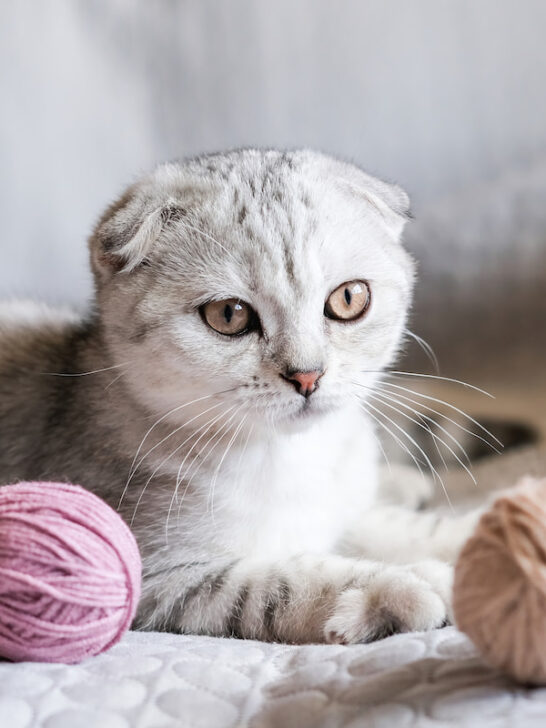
point(395, 599)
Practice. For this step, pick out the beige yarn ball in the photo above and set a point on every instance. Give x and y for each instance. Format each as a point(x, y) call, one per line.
point(499, 592)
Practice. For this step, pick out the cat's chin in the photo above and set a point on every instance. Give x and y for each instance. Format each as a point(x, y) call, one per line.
point(304, 416)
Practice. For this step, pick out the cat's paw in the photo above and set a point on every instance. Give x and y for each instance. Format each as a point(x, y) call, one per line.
point(395, 599)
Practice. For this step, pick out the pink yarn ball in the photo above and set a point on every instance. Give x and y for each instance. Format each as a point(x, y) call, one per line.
point(70, 573)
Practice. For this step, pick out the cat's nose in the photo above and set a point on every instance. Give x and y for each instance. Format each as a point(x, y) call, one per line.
point(304, 382)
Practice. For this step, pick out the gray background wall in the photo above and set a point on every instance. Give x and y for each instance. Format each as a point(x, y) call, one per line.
point(445, 96)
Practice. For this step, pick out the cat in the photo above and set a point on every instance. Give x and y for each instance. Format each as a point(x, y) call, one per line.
point(217, 394)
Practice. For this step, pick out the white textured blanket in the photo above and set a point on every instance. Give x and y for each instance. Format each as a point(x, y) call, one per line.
point(160, 680)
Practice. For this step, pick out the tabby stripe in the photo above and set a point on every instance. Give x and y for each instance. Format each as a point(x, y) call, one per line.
point(275, 600)
point(234, 621)
point(212, 581)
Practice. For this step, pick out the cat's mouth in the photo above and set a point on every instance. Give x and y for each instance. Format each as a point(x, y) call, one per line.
point(300, 410)
point(306, 408)
point(311, 407)
point(305, 416)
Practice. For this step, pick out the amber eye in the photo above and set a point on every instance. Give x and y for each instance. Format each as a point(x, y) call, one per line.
point(348, 302)
point(229, 317)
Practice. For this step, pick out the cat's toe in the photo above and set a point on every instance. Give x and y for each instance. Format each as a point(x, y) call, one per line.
point(439, 576)
point(396, 599)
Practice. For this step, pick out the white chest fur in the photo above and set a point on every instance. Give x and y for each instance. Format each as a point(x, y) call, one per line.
point(291, 492)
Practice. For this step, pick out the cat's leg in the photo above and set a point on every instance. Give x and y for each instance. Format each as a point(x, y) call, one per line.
point(403, 536)
point(309, 598)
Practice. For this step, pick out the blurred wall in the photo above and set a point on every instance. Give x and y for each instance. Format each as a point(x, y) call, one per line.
point(444, 97)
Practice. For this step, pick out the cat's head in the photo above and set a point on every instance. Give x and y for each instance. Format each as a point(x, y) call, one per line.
point(275, 279)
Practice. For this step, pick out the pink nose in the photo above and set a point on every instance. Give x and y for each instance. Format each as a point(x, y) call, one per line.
point(304, 382)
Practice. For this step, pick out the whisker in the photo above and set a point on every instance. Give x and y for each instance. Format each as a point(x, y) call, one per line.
point(393, 435)
point(179, 476)
point(245, 446)
point(453, 407)
point(210, 425)
point(440, 414)
point(80, 374)
point(167, 414)
point(442, 379)
point(114, 380)
point(215, 434)
point(384, 454)
point(163, 463)
point(394, 397)
point(217, 471)
point(243, 452)
point(421, 417)
point(157, 422)
point(167, 437)
point(437, 448)
point(427, 348)
point(227, 429)
point(133, 469)
point(427, 429)
point(431, 467)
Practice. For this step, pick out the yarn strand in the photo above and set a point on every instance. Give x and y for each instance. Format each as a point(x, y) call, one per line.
point(499, 593)
point(70, 573)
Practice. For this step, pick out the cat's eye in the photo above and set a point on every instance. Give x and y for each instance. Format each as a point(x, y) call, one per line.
point(230, 317)
point(348, 302)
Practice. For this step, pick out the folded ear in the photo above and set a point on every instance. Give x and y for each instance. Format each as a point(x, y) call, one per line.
point(390, 200)
point(125, 233)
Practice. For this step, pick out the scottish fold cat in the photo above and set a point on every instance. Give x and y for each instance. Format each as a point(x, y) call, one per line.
point(218, 394)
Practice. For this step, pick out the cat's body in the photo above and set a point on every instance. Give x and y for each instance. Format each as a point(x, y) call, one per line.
point(251, 490)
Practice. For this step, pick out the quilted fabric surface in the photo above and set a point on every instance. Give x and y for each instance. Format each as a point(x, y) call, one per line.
point(160, 680)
